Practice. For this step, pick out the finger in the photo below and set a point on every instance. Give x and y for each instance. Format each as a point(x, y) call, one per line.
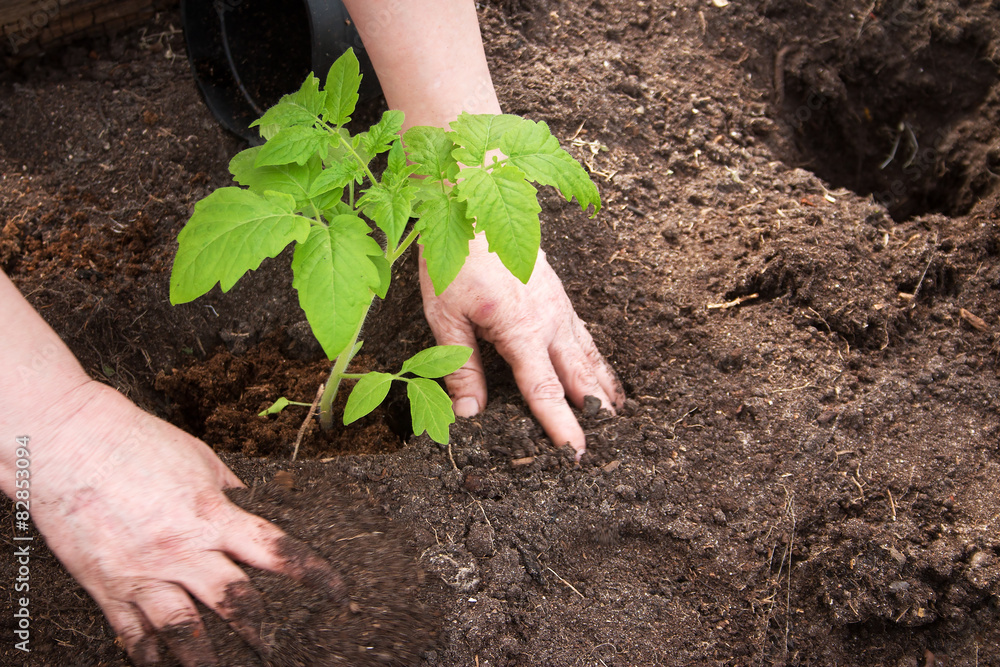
point(576, 371)
point(225, 589)
point(605, 374)
point(269, 548)
point(169, 609)
point(134, 631)
point(540, 385)
point(467, 385)
point(227, 479)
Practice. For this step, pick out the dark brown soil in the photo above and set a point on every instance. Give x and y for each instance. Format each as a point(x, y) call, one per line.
point(803, 476)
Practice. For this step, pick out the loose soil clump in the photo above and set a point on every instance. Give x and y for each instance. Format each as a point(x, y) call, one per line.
point(804, 472)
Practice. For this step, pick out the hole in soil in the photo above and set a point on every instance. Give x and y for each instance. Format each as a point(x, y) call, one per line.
point(903, 108)
point(397, 412)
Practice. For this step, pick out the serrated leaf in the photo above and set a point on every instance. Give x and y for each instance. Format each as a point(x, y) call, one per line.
point(381, 135)
point(390, 207)
point(267, 132)
point(477, 134)
point(445, 232)
point(397, 160)
point(342, 83)
point(437, 361)
point(430, 409)
point(505, 206)
point(291, 144)
point(302, 107)
point(530, 147)
point(231, 232)
point(338, 208)
point(367, 395)
point(397, 171)
point(335, 276)
point(275, 408)
point(292, 179)
point(430, 149)
point(336, 177)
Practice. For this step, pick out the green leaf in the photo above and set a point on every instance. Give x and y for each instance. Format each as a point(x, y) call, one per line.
point(381, 136)
point(291, 144)
point(437, 361)
point(430, 409)
point(384, 275)
point(397, 170)
point(338, 208)
point(337, 150)
point(231, 232)
point(367, 395)
point(275, 408)
point(335, 276)
point(292, 179)
point(397, 161)
point(267, 132)
point(445, 232)
point(390, 207)
point(337, 176)
point(431, 151)
point(325, 201)
point(280, 405)
point(477, 134)
point(302, 107)
point(342, 83)
point(530, 147)
point(505, 206)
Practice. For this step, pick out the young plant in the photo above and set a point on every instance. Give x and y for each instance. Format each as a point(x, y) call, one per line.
point(311, 182)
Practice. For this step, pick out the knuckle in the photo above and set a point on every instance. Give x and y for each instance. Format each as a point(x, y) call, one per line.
point(583, 377)
point(466, 374)
point(593, 355)
point(484, 311)
point(179, 616)
point(132, 634)
point(549, 390)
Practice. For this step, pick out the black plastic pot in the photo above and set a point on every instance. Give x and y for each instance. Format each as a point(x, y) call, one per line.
point(246, 54)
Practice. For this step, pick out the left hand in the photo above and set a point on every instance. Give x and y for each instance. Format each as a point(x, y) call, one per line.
point(534, 327)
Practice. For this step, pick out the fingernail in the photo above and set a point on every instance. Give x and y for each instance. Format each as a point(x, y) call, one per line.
point(467, 406)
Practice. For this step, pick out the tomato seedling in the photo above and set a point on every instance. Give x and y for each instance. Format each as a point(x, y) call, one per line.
point(311, 183)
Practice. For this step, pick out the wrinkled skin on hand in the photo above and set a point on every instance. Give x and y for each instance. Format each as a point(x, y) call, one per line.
point(135, 510)
point(534, 327)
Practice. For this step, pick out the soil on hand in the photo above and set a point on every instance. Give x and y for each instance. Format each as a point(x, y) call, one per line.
point(796, 275)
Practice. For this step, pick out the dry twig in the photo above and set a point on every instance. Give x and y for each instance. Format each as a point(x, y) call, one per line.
point(974, 320)
point(306, 421)
point(735, 302)
point(571, 586)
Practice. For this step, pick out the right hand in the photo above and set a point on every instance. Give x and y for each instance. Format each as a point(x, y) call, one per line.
point(534, 327)
point(135, 510)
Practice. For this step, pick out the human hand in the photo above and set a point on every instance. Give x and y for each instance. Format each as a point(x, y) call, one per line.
point(534, 327)
point(135, 510)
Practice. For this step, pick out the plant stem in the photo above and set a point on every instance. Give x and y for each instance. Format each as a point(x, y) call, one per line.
point(401, 248)
point(317, 218)
point(337, 374)
point(364, 165)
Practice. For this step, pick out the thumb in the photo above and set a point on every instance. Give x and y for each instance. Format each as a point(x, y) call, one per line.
point(467, 385)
